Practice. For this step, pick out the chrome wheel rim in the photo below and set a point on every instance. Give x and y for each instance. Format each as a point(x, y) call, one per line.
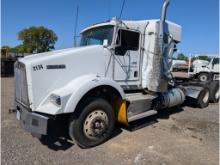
point(95, 124)
point(203, 78)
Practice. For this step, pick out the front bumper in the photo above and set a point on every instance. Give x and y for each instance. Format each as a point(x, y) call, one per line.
point(30, 121)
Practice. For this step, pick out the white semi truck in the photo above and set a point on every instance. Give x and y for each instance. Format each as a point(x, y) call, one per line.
point(205, 70)
point(119, 73)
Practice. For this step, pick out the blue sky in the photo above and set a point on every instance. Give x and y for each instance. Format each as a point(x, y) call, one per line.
point(199, 19)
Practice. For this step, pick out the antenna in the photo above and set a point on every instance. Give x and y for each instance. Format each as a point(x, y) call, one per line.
point(76, 22)
point(109, 9)
point(122, 8)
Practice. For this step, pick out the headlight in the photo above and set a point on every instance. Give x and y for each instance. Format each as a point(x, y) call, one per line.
point(55, 99)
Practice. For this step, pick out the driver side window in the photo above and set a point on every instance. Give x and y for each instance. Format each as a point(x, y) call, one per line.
point(127, 40)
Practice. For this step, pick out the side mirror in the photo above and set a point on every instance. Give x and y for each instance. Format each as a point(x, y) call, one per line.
point(175, 49)
point(105, 43)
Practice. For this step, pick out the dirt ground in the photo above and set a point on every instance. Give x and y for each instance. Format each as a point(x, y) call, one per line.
point(179, 136)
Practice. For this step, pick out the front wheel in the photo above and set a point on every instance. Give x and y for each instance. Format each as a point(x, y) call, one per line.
point(94, 125)
point(203, 77)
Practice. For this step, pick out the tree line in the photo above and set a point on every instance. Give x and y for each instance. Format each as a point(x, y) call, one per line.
point(181, 56)
point(34, 40)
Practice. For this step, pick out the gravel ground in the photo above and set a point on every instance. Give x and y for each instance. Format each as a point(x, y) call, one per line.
point(182, 136)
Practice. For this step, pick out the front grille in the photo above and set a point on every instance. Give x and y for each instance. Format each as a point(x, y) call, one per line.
point(21, 90)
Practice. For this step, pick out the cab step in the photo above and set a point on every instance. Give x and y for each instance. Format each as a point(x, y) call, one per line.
point(142, 115)
point(139, 103)
point(139, 97)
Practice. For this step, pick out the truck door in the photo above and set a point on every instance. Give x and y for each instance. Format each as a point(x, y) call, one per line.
point(127, 56)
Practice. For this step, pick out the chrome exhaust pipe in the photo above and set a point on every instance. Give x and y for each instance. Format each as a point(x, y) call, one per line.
point(157, 81)
point(163, 19)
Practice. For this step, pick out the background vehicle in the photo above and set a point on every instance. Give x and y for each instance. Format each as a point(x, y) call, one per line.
point(179, 65)
point(120, 73)
point(205, 70)
point(7, 63)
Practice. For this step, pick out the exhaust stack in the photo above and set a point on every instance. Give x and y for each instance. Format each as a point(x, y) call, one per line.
point(162, 23)
point(157, 81)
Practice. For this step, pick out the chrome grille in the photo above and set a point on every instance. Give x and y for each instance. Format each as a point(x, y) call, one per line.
point(21, 90)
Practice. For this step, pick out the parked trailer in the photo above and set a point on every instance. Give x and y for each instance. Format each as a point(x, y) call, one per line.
point(120, 73)
point(179, 65)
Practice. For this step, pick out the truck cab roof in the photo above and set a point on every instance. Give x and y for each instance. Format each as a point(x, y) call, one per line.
point(140, 25)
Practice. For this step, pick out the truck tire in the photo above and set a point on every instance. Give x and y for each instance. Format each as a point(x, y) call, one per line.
point(203, 77)
point(214, 92)
point(203, 99)
point(94, 125)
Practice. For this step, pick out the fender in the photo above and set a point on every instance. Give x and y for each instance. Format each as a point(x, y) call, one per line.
point(193, 91)
point(77, 88)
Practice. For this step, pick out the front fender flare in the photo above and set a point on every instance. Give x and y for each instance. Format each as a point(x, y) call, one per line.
point(80, 86)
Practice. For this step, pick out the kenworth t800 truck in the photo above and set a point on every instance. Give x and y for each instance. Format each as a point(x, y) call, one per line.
point(119, 73)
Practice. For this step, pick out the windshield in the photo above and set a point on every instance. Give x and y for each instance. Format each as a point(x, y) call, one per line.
point(96, 36)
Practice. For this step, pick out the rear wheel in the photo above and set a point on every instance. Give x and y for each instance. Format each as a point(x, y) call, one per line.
point(94, 125)
point(214, 91)
point(203, 77)
point(203, 99)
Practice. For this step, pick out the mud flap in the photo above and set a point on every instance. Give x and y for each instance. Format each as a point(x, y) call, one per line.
point(122, 112)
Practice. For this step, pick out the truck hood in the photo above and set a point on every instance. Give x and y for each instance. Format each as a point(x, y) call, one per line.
point(52, 70)
point(32, 59)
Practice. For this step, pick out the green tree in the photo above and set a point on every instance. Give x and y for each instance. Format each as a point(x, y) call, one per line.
point(4, 50)
point(36, 39)
point(204, 57)
point(6, 47)
point(181, 56)
point(201, 57)
point(22, 49)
